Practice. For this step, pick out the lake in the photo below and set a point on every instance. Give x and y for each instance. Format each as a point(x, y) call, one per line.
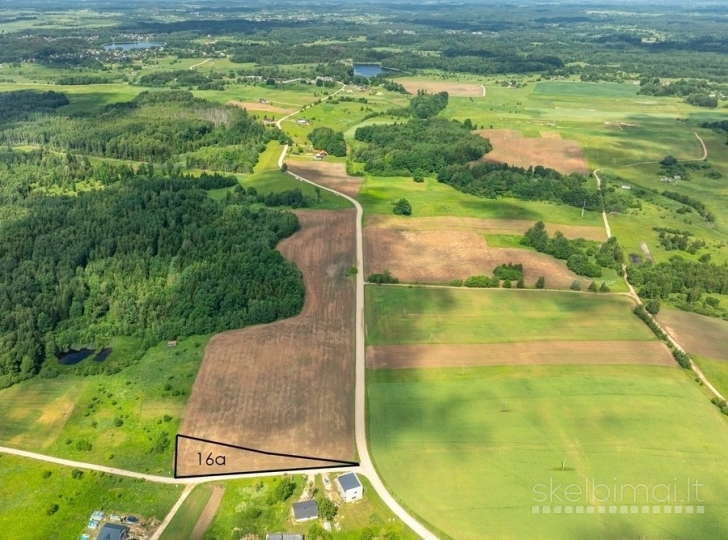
point(369, 70)
point(130, 46)
point(71, 358)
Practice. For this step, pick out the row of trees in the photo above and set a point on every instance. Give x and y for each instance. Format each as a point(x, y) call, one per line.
point(494, 180)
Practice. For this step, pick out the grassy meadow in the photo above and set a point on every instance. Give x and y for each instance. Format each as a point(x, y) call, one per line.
point(126, 420)
point(184, 521)
point(399, 315)
point(488, 437)
point(42, 501)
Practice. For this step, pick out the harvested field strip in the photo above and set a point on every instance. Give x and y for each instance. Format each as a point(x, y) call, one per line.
point(698, 334)
point(287, 387)
point(562, 155)
point(441, 256)
point(267, 107)
point(480, 226)
point(517, 354)
point(208, 513)
point(454, 89)
point(403, 315)
point(330, 175)
point(184, 521)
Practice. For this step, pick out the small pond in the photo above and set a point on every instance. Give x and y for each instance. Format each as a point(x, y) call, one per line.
point(369, 70)
point(130, 46)
point(71, 358)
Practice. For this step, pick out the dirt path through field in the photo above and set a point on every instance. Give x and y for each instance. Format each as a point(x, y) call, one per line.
point(330, 175)
point(519, 354)
point(203, 522)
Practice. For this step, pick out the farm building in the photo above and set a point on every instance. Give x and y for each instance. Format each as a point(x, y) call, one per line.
point(283, 536)
point(111, 531)
point(320, 154)
point(302, 122)
point(304, 511)
point(349, 487)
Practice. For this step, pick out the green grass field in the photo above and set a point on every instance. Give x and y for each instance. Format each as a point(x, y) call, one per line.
point(422, 315)
point(184, 521)
point(715, 370)
point(148, 398)
point(430, 198)
point(28, 493)
point(445, 447)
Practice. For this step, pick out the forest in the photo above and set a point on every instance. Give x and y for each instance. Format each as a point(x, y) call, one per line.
point(147, 256)
point(154, 126)
point(416, 147)
point(495, 180)
point(329, 140)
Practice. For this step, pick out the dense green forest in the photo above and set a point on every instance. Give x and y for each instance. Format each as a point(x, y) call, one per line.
point(417, 146)
point(145, 256)
point(19, 104)
point(686, 284)
point(329, 140)
point(494, 180)
point(154, 126)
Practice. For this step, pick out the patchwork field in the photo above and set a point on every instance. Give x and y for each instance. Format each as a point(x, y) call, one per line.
point(331, 175)
point(455, 89)
point(698, 334)
point(511, 147)
point(498, 441)
point(518, 354)
point(404, 315)
point(285, 387)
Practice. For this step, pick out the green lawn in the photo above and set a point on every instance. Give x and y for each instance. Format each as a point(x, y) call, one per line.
point(445, 447)
point(430, 198)
point(184, 521)
point(422, 315)
point(715, 370)
point(27, 497)
point(570, 89)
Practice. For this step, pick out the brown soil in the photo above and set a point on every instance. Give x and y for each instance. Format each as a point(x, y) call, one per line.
point(440, 256)
point(698, 334)
point(480, 226)
point(550, 134)
point(285, 387)
point(267, 107)
point(330, 175)
point(454, 89)
point(514, 354)
point(562, 155)
point(203, 522)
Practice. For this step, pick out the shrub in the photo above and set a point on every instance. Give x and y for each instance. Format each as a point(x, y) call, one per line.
point(327, 509)
point(682, 359)
point(76, 474)
point(402, 208)
point(603, 287)
point(541, 282)
point(592, 287)
point(520, 284)
point(52, 509)
point(576, 285)
point(384, 277)
point(282, 491)
point(84, 446)
point(456, 283)
point(46, 474)
point(653, 306)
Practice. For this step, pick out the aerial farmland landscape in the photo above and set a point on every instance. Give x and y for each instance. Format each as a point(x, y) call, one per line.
point(382, 271)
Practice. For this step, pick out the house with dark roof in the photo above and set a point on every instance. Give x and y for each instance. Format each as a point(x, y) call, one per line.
point(305, 510)
point(112, 531)
point(349, 487)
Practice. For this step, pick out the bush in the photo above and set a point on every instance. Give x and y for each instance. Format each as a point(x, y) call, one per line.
point(402, 208)
point(52, 509)
point(327, 509)
point(282, 491)
point(541, 282)
point(76, 474)
point(510, 271)
point(653, 306)
point(603, 287)
point(84, 446)
point(520, 284)
point(46, 474)
point(482, 282)
point(592, 287)
point(456, 283)
point(118, 422)
point(576, 285)
point(682, 359)
point(384, 277)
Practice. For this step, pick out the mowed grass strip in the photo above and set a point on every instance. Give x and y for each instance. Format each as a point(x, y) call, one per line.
point(450, 315)
point(486, 437)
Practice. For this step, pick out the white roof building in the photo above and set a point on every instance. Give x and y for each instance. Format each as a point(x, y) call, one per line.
point(349, 487)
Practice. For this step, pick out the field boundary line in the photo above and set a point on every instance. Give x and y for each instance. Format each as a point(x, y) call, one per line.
point(170, 516)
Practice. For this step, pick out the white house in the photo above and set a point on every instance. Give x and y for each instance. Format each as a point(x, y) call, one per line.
point(349, 487)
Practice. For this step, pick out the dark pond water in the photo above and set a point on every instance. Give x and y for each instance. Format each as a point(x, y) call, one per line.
point(130, 46)
point(102, 354)
point(71, 358)
point(369, 70)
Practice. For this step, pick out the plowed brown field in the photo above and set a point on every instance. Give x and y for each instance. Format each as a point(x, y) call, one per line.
point(514, 354)
point(481, 226)
point(705, 336)
point(267, 107)
point(438, 256)
point(511, 147)
point(285, 387)
point(331, 175)
point(454, 89)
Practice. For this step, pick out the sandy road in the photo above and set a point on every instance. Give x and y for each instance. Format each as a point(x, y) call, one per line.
point(201, 63)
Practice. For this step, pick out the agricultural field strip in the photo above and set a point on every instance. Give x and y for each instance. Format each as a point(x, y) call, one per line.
point(182, 498)
point(365, 463)
point(634, 294)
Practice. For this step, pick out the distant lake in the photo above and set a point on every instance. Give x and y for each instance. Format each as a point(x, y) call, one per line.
point(369, 70)
point(130, 46)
